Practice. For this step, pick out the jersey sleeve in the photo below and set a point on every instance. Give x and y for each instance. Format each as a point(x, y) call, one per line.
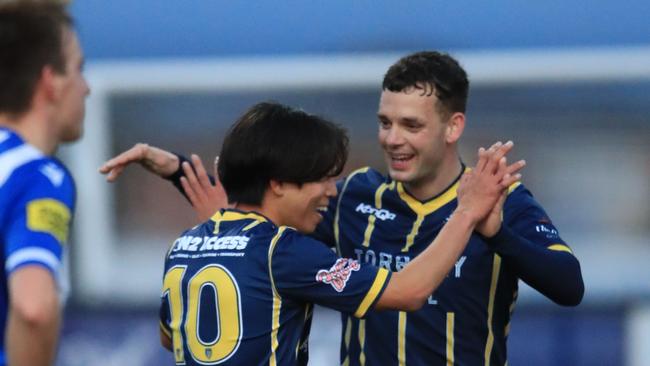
point(306, 270)
point(531, 246)
point(39, 222)
point(525, 216)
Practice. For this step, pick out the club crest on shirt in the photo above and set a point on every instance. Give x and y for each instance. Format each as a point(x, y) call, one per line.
point(339, 273)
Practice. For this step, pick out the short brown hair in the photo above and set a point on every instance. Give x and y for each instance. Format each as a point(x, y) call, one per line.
point(31, 37)
point(433, 72)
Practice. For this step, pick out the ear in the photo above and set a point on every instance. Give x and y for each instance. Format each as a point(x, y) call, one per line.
point(50, 84)
point(455, 127)
point(276, 188)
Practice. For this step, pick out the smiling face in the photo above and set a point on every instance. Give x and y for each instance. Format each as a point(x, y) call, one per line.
point(300, 205)
point(412, 135)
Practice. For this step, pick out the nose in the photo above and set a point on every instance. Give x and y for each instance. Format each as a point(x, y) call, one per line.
point(330, 187)
point(393, 136)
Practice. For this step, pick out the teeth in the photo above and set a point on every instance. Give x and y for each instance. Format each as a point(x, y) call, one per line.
point(401, 157)
point(322, 208)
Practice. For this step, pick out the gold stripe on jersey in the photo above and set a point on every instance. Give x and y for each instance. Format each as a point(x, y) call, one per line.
point(401, 339)
point(277, 301)
point(251, 225)
point(410, 238)
point(511, 309)
point(309, 309)
point(371, 218)
point(371, 295)
point(496, 268)
point(513, 186)
point(427, 207)
point(423, 209)
point(560, 248)
point(277, 305)
point(346, 339)
point(362, 342)
point(338, 204)
point(219, 216)
point(451, 317)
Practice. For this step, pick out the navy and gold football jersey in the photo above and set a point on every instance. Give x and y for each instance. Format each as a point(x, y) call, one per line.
point(238, 290)
point(36, 206)
point(466, 320)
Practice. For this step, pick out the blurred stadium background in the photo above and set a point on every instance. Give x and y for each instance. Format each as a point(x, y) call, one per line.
point(569, 82)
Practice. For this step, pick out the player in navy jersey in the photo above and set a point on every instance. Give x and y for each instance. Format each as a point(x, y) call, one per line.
point(238, 289)
point(41, 105)
point(389, 220)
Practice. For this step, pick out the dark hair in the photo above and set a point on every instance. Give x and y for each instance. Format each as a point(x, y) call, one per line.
point(31, 37)
point(432, 72)
point(274, 141)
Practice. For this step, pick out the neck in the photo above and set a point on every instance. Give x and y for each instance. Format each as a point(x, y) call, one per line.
point(429, 187)
point(264, 209)
point(31, 128)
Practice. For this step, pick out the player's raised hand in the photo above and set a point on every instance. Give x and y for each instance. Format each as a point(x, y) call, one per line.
point(481, 188)
point(491, 224)
point(206, 198)
point(158, 161)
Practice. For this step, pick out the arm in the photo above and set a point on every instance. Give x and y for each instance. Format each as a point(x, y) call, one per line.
point(478, 193)
point(160, 162)
point(554, 273)
point(37, 230)
point(204, 192)
point(409, 288)
point(34, 317)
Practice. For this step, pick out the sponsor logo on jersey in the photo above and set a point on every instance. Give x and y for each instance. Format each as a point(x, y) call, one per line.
point(548, 231)
point(203, 243)
point(339, 274)
point(49, 216)
point(382, 214)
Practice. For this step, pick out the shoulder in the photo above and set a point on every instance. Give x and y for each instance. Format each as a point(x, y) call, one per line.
point(288, 239)
point(519, 195)
point(364, 179)
point(44, 176)
point(520, 200)
point(44, 189)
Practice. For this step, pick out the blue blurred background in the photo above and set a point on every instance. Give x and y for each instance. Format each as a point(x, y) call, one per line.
point(568, 81)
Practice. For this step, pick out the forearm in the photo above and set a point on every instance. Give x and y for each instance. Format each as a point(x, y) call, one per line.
point(414, 284)
point(175, 177)
point(30, 343)
point(555, 274)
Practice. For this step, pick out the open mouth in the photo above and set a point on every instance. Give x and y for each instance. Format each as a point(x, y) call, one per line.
point(399, 161)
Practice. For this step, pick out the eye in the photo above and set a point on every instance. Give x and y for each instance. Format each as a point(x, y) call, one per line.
point(384, 124)
point(413, 126)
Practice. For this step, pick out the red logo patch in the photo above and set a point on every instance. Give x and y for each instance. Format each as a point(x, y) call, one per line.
point(338, 275)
